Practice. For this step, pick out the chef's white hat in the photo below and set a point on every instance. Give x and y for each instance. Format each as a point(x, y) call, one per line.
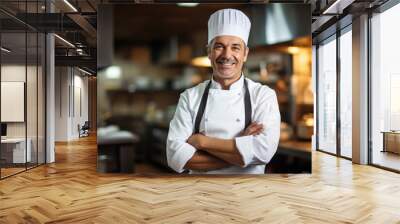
point(230, 22)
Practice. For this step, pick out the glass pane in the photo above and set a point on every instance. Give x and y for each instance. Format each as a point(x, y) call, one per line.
point(14, 153)
point(327, 97)
point(31, 98)
point(31, 86)
point(41, 99)
point(385, 86)
point(345, 94)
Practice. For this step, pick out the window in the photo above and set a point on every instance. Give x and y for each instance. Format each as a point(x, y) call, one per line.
point(385, 89)
point(327, 95)
point(345, 92)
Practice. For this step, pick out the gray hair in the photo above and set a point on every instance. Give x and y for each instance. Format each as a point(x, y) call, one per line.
point(208, 46)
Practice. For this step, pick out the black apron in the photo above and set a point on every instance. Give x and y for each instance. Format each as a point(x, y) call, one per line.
point(203, 103)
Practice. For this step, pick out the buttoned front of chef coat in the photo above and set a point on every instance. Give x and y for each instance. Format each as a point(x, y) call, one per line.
point(224, 117)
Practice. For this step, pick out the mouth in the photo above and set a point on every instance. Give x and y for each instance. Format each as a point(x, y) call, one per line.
point(226, 64)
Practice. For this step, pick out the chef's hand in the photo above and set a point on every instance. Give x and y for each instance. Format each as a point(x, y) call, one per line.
point(253, 129)
point(196, 140)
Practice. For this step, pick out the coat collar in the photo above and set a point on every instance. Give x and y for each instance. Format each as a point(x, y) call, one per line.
point(236, 85)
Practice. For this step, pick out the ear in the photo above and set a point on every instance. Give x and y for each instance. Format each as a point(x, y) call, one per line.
point(246, 52)
point(209, 49)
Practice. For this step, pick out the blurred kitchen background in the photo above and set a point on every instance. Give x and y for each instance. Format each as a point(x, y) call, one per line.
point(149, 54)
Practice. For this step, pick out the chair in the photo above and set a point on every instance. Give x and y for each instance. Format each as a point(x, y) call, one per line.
point(84, 130)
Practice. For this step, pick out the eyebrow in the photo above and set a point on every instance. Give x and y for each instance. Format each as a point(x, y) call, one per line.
point(234, 44)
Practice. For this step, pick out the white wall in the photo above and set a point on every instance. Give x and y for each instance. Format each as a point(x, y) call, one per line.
point(71, 93)
point(12, 73)
point(62, 81)
point(79, 112)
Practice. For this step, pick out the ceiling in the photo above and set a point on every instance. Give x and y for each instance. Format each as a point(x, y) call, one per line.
point(16, 42)
point(38, 6)
point(76, 24)
point(138, 24)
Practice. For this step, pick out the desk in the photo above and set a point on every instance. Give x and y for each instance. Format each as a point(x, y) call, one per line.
point(13, 150)
point(115, 152)
point(391, 141)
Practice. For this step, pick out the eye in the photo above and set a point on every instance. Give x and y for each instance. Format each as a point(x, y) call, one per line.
point(217, 46)
point(236, 48)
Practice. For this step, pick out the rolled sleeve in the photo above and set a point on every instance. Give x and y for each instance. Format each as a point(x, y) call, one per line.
point(261, 148)
point(179, 152)
point(180, 157)
point(242, 144)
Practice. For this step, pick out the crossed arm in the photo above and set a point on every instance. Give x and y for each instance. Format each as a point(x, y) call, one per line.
point(214, 153)
point(199, 152)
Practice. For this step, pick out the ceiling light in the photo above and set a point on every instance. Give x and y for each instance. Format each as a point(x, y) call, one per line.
point(84, 71)
point(5, 50)
point(293, 50)
point(70, 5)
point(64, 40)
point(201, 61)
point(113, 72)
point(187, 4)
point(338, 6)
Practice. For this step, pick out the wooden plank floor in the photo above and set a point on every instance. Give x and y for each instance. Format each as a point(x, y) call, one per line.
point(10, 171)
point(70, 191)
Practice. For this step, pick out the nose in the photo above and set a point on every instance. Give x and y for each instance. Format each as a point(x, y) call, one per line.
point(227, 53)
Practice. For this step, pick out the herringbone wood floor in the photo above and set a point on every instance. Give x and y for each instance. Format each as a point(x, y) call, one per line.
point(70, 191)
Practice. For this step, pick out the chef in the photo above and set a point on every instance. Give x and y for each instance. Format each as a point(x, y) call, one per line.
point(228, 124)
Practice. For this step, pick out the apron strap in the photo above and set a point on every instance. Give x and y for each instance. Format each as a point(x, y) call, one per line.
point(203, 103)
point(247, 105)
point(202, 107)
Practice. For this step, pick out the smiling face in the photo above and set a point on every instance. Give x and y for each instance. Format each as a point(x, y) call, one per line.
point(227, 55)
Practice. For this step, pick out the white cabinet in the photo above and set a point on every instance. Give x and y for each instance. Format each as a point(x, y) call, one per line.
point(17, 148)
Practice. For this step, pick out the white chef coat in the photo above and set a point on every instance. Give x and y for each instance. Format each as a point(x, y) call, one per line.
point(224, 117)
